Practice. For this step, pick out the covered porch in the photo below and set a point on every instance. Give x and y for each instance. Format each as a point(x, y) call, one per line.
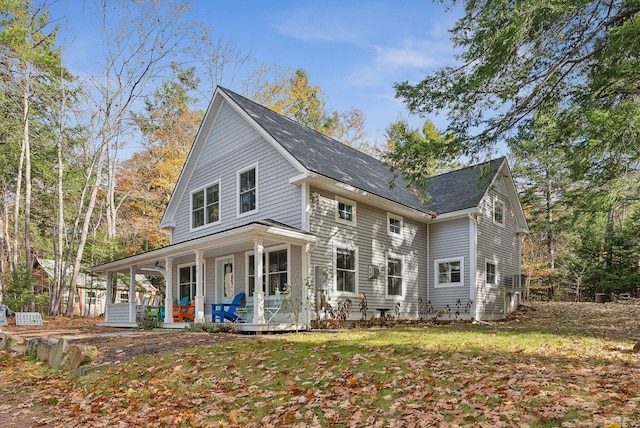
point(213, 269)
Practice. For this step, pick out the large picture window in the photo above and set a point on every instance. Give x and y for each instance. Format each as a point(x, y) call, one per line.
point(247, 186)
point(394, 276)
point(345, 270)
point(205, 206)
point(275, 271)
point(449, 272)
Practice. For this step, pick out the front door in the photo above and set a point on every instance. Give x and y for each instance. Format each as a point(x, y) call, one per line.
point(225, 279)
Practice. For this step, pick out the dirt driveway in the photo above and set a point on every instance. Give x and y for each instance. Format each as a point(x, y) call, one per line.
point(117, 345)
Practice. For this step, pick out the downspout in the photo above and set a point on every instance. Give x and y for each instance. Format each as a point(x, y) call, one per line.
point(473, 261)
point(428, 264)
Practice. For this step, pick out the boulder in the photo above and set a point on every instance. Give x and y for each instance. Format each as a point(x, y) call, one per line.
point(58, 353)
point(79, 355)
point(13, 343)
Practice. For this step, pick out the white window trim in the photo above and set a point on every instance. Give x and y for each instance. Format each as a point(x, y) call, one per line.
point(266, 267)
point(353, 222)
point(334, 262)
point(238, 172)
point(204, 189)
point(498, 201)
point(396, 217)
point(402, 276)
point(495, 263)
point(436, 273)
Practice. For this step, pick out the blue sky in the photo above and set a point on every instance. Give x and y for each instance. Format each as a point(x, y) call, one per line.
point(354, 50)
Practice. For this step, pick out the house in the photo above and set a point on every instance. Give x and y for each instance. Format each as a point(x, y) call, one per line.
point(262, 193)
point(91, 298)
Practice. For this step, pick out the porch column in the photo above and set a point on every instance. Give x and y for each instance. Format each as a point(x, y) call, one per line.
point(258, 292)
point(132, 293)
point(108, 296)
point(168, 295)
point(199, 318)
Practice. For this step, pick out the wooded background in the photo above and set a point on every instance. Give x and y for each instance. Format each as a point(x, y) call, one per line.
point(89, 163)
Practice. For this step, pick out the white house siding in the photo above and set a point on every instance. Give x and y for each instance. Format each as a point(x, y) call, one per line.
point(449, 240)
point(373, 244)
point(231, 146)
point(501, 245)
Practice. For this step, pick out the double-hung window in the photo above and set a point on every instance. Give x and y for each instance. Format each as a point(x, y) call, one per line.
point(394, 276)
point(498, 211)
point(346, 270)
point(345, 211)
point(187, 282)
point(394, 225)
point(205, 206)
point(491, 273)
point(247, 186)
point(449, 272)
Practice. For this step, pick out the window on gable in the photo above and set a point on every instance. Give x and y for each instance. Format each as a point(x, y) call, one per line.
point(345, 270)
point(490, 273)
point(449, 272)
point(247, 190)
point(394, 225)
point(345, 211)
point(205, 206)
point(394, 276)
point(498, 212)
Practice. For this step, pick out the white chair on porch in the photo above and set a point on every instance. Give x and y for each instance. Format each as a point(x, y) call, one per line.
point(271, 311)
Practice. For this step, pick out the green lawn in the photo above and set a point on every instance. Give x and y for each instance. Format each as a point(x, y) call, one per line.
point(560, 365)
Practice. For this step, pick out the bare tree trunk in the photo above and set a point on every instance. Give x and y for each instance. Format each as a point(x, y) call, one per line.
point(27, 189)
point(85, 230)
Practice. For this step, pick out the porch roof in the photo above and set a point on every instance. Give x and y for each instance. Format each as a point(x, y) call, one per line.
point(240, 238)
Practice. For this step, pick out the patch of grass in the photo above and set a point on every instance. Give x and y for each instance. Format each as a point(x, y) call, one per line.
point(515, 373)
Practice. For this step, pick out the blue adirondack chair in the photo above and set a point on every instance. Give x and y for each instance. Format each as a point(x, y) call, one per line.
point(228, 310)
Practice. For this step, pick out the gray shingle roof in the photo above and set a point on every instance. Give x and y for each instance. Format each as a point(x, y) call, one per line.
point(328, 157)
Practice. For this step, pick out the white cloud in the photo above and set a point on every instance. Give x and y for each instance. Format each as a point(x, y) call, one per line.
point(411, 57)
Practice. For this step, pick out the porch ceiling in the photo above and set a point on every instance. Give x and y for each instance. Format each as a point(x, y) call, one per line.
point(218, 244)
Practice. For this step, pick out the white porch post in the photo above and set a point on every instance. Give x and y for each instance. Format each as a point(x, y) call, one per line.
point(108, 294)
point(168, 296)
point(132, 293)
point(258, 292)
point(199, 318)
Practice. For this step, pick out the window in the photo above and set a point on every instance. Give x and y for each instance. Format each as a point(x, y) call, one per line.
point(345, 270)
point(187, 282)
point(394, 225)
point(91, 297)
point(124, 297)
point(449, 272)
point(247, 190)
point(498, 212)
point(205, 206)
point(491, 273)
point(345, 211)
point(394, 276)
point(251, 273)
point(275, 270)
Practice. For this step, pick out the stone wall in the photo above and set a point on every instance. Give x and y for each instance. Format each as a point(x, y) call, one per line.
point(57, 353)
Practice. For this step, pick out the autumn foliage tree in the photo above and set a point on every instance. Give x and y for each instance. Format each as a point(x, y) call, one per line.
point(292, 95)
point(146, 180)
